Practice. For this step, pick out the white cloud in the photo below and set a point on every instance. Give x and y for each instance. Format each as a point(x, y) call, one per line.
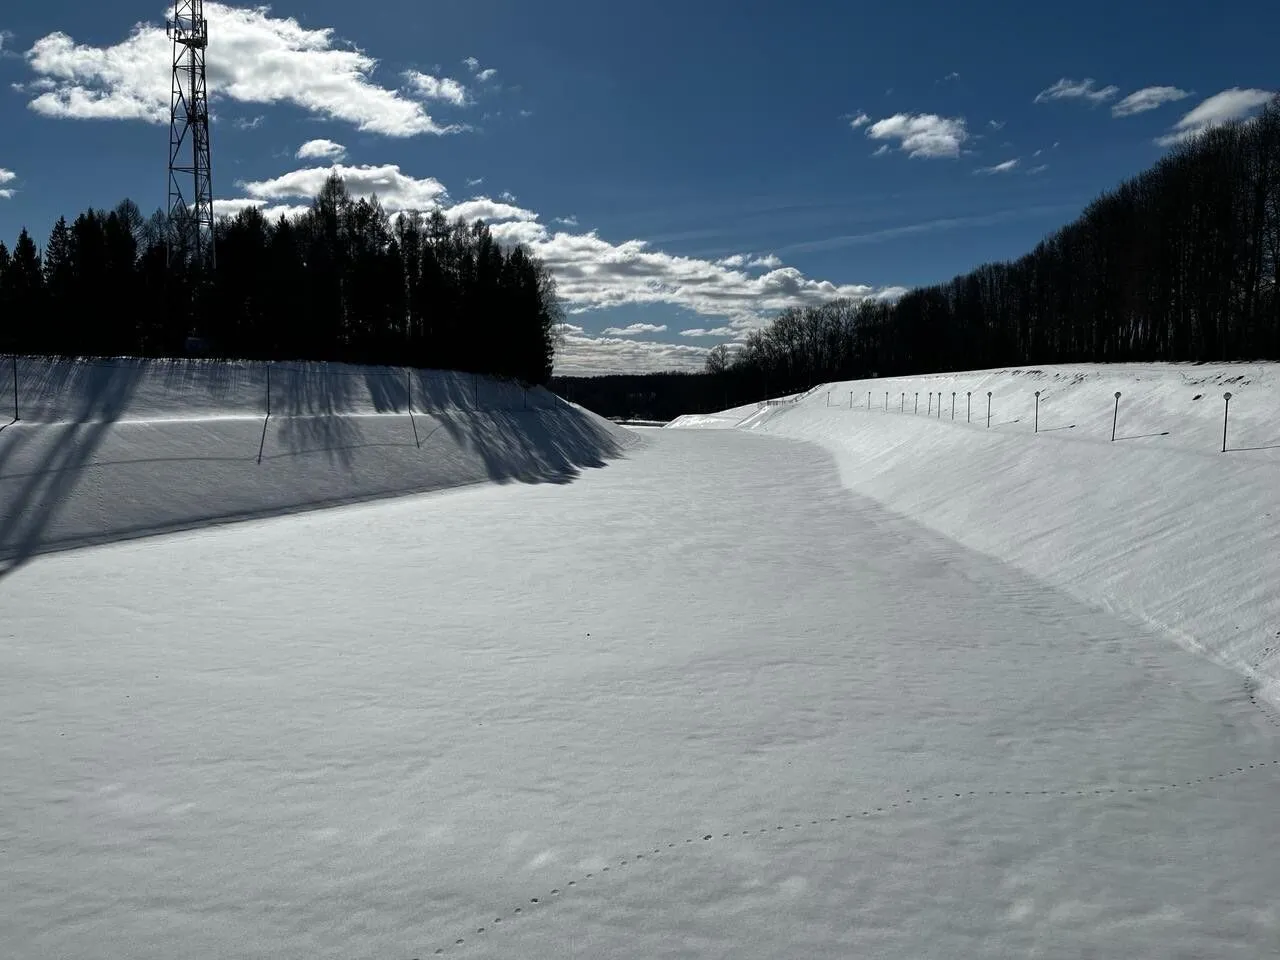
point(396, 190)
point(767, 262)
point(1233, 104)
point(6, 41)
point(1148, 98)
point(486, 75)
point(482, 208)
point(881, 150)
point(437, 88)
point(859, 120)
point(250, 123)
point(1040, 168)
point(507, 196)
point(472, 64)
point(1084, 89)
point(715, 332)
point(594, 273)
point(582, 355)
point(996, 124)
point(569, 221)
point(321, 150)
point(253, 58)
point(6, 176)
point(735, 260)
point(475, 181)
point(922, 134)
point(635, 329)
point(999, 167)
point(953, 75)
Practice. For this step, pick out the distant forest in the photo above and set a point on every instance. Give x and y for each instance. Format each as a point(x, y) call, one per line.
point(1181, 263)
point(341, 282)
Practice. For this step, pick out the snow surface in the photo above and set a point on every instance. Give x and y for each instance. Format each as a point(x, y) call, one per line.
point(1159, 525)
point(704, 702)
point(121, 448)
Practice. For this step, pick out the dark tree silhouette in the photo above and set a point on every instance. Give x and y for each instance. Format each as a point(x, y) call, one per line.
point(343, 281)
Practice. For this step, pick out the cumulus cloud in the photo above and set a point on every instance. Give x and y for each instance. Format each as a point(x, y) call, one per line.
point(437, 88)
point(859, 120)
point(714, 332)
point(472, 63)
point(996, 124)
point(482, 208)
point(1148, 98)
point(583, 355)
point(1232, 104)
point(253, 58)
point(485, 75)
point(1005, 167)
point(321, 150)
point(635, 329)
point(6, 41)
point(569, 221)
point(1084, 89)
point(922, 134)
point(396, 190)
point(6, 176)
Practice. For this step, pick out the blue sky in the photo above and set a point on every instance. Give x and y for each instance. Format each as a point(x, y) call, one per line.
point(690, 166)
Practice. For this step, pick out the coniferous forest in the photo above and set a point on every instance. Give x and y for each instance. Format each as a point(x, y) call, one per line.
point(341, 282)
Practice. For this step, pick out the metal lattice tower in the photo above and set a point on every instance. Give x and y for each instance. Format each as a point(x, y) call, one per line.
point(190, 208)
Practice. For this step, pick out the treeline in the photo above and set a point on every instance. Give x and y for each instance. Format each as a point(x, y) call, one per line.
point(1181, 263)
point(341, 282)
point(645, 396)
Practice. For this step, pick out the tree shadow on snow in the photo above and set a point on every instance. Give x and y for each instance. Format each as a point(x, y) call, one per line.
point(102, 394)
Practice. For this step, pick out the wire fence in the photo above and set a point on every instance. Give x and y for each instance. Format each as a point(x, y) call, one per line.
point(979, 407)
point(38, 390)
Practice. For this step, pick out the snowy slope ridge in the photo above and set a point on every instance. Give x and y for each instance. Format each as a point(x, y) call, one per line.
point(1159, 525)
point(107, 449)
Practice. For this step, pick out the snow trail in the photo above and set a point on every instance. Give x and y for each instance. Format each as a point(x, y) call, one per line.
point(375, 730)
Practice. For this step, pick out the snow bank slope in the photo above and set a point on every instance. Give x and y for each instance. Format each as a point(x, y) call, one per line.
point(1159, 524)
point(111, 449)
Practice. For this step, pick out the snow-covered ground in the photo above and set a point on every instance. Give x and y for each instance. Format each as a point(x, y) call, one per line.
point(110, 449)
point(1160, 525)
point(703, 702)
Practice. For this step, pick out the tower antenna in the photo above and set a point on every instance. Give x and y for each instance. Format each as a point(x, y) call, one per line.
point(190, 235)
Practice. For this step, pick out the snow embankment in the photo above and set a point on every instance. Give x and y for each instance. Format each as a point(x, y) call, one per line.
point(110, 449)
point(1159, 524)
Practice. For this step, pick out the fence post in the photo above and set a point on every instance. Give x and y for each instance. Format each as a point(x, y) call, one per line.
point(15, 388)
point(988, 409)
point(268, 389)
point(953, 404)
point(1225, 411)
point(902, 404)
point(1115, 418)
point(828, 398)
point(929, 412)
point(850, 399)
point(1037, 430)
point(886, 401)
point(408, 381)
point(968, 403)
point(917, 407)
point(868, 401)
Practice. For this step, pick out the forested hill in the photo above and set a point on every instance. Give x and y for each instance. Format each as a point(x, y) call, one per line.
point(341, 282)
point(1180, 263)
